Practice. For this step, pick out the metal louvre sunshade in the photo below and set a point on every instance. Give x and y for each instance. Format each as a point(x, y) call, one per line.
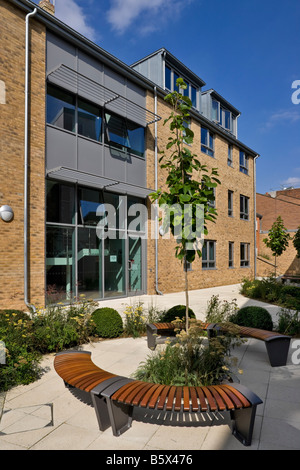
point(81, 177)
point(87, 88)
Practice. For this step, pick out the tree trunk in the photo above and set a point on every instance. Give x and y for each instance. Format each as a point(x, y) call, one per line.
point(186, 296)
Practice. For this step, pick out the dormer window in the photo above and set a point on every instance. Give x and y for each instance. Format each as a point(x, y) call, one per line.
point(171, 77)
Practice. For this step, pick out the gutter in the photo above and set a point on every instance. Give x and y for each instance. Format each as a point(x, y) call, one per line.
point(255, 240)
point(26, 160)
point(156, 205)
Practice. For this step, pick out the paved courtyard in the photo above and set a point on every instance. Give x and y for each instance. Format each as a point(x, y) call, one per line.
point(46, 416)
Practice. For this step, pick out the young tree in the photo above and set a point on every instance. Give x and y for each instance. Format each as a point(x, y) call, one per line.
point(278, 239)
point(296, 242)
point(187, 201)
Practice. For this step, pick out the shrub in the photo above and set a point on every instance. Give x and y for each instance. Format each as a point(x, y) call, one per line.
point(191, 361)
point(177, 311)
point(135, 321)
point(220, 311)
point(254, 317)
point(59, 327)
point(21, 365)
point(290, 297)
point(107, 322)
point(289, 322)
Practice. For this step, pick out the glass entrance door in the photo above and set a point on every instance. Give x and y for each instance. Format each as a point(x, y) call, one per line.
point(134, 265)
point(114, 267)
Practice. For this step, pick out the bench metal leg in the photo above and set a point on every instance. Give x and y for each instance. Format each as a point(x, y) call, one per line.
point(100, 400)
point(243, 424)
point(151, 336)
point(120, 416)
point(278, 349)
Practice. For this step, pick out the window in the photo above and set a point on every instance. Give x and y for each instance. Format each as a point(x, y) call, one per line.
point(229, 159)
point(245, 255)
point(244, 163)
point(168, 79)
point(209, 255)
point(215, 111)
point(244, 207)
point(230, 203)
point(60, 202)
point(60, 108)
point(125, 135)
point(171, 77)
point(89, 120)
point(230, 254)
point(207, 142)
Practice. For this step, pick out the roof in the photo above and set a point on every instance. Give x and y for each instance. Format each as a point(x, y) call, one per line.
point(172, 60)
point(220, 98)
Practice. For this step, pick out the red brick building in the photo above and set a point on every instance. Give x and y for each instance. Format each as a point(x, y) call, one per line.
point(284, 203)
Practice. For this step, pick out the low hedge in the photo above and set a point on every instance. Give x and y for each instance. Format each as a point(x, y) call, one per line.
point(177, 311)
point(107, 322)
point(253, 317)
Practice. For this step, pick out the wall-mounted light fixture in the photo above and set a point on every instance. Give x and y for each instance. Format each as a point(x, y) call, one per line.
point(6, 213)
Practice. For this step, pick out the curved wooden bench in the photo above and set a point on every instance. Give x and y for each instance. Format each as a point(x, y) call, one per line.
point(114, 397)
point(277, 344)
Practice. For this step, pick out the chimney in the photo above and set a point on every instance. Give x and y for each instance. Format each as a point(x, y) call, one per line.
point(47, 6)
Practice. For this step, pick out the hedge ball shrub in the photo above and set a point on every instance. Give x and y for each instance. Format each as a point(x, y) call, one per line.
point(177, 311)
point(253, 317)
point(107, 322)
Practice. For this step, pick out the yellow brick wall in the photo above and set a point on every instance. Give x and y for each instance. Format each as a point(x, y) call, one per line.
point(12, 111)
point(170, 270)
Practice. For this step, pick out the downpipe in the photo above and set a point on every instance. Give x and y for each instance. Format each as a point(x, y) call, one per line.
point(26, 161)
point(156, 205)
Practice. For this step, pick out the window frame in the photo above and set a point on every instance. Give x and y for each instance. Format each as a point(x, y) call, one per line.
point(244, 207)
point(206, 263)
point(191, 90)
point(245, 260)
point(244, 163)
point(230, 155)
point(230, 203)
point(205, 146)
point(231, 254)
point(122, 146)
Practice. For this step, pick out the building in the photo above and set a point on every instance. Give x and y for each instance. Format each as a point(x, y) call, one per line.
point(80, 132)
point(286, 204)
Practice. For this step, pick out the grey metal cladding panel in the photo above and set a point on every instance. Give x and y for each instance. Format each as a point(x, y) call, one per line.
point(90, 156)
point(61, 149)
point(136, 171)
point(90, 67)
point(114, 81)
point(114, 164)
point(59, 52)
point(136, 94)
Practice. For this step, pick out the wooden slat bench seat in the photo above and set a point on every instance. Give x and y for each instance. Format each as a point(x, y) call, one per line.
point(277, 344)
point(114, 397)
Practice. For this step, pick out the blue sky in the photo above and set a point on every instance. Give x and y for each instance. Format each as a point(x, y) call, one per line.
point(247, 50)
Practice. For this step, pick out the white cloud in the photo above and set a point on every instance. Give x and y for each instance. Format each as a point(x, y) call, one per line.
point(292, 181)
point(147, 14)
point(280, 117)
point(73, 15)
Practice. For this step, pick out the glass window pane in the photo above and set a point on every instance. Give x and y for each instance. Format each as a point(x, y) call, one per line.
point(89, 202)
point(204, 251)
point(60, 202)
point(114, 267)
point(194, 96)
point(60, 246)
point(136, 137)
point(203, 136)
point(175, 78)
point(89, 259)
point(168, 78)
point(60, 108)
point(89, 120)
point(227, 122)
point(211, 251)
point(117, 131)
point(215, 110)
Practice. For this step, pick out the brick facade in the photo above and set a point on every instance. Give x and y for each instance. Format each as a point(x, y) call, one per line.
point(12, 60)
point(226, 229)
